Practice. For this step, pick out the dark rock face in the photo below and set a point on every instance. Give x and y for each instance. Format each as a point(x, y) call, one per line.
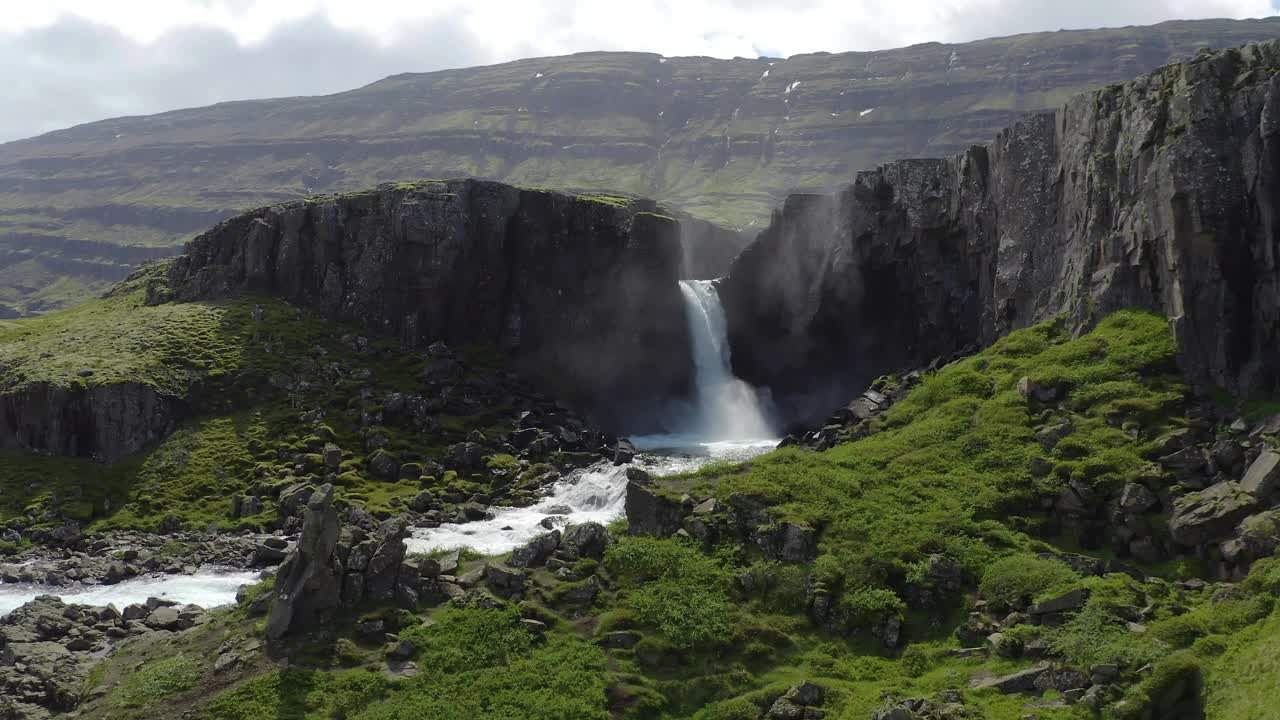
point(707, 250)
point(583, 292)
point(105, 422)
point(308, 586)
point(1157, 193)
point(649, 512)
point(334, 567)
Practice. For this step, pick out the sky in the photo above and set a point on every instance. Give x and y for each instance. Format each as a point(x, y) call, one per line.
point(65, 62)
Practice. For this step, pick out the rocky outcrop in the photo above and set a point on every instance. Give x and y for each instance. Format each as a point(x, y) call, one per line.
point(707, 249)
point(1157, 193)
point(309, 584)
point(105, 422)
point(800, 702)
point(48, 648)
point(584, 292)
point(335, 566)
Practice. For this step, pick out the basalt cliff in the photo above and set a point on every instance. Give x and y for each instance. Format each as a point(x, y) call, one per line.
point(1158, 193)
point(583, 291)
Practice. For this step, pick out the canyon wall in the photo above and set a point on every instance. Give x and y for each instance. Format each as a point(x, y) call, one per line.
point(583, 292)
point(1159, 193)
point(105, 422)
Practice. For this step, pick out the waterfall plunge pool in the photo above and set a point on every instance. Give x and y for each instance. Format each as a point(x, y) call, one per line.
point(728, 421)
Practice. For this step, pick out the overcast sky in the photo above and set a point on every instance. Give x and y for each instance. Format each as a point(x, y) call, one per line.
point(64, 62)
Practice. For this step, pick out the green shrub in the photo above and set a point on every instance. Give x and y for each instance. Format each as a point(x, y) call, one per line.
point(680, 591)
point(1175, 682)
point(299, 694)
point(563, 679)
point(917, 660)
point(866, 606)
point(739, 708)
point(1264, 576)
point(469, 639)
point(8, 547)
point(779, 587)
point(1023, 577)
point(685, 612)
point(1096, 635)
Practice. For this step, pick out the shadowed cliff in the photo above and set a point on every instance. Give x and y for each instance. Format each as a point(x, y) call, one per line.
point(1157, 193)
point(582, 290)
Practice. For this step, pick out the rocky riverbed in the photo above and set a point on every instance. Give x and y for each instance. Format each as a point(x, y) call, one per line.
point(48, 647)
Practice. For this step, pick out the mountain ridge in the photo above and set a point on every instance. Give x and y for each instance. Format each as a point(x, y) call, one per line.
point(720, 139)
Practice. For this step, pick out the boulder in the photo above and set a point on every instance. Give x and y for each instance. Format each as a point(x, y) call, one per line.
point(806, 693)
point(1136, 498)
point(1070, 600)
point(448, 562)
point(1021, 681)
point(1262, 479)
point(536, 552)
point(267, 555)
point(165, 618)
point(1257, 536)
point(384, 564)
point(1049, 437)
point(504, 581)
point(623, 452)
point(1035, 391)
point(650, 512)
point(798, 703)
point(1201, 516)
point(788, 542)
point(383, 465)
point(585, 540)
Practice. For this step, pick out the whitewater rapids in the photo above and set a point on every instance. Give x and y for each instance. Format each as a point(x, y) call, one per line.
point(727, 422)
point(208, 588)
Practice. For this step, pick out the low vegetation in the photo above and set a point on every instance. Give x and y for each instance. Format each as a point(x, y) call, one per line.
point(683, 629)
point(269, 387)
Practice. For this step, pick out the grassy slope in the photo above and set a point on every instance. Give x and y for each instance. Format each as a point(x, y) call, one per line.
point(950, 464)
point(944, 472)
point(246, 430)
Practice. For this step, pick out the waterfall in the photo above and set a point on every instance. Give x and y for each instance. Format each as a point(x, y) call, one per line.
point(728, 421)
point(726, 408)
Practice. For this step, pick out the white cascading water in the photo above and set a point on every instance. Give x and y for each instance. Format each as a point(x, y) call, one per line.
point(726, 408)
point(207, 588)
point(727, 421)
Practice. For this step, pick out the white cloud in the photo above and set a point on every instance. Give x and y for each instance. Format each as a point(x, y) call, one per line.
point(80, 60)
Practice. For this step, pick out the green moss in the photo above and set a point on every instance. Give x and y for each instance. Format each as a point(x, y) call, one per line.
point(234, 364)
point(610, 200)
point(952, 457)
point(298, 694)
point(158, 681)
